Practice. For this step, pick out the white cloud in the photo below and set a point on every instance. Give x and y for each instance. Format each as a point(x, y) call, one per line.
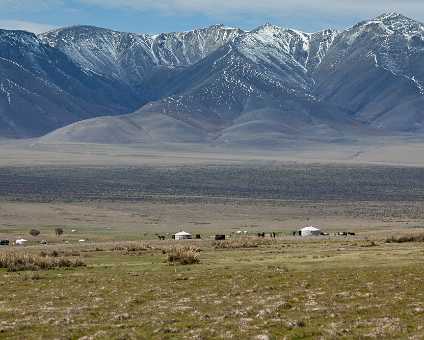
point(311, 13)
point(13, 9)
point(25, 26)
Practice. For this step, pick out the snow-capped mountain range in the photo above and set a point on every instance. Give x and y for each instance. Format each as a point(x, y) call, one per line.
point(216, 84)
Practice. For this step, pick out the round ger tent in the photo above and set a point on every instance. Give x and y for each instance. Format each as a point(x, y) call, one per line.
point(310, 231)
point(183, 236)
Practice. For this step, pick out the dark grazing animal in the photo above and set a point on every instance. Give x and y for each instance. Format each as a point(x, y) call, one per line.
point(219, 237)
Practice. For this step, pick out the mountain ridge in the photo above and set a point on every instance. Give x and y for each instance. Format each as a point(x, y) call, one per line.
point(219, 84)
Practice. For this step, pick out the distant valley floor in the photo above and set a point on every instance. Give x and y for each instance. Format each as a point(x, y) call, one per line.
point(377, 150)
point(138, 191)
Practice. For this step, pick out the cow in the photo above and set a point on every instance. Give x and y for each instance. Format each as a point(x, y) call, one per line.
point(219, 237)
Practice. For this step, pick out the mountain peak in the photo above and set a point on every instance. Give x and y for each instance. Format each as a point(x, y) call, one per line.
point(214, 27)
point(400, 23)
point(268, 27)
point(77, 29)
point(24, 37)
point(393, 18)
point(390, 16)
point(222, 26)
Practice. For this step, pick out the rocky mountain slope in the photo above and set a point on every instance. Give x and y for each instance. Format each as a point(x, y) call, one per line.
point(81, 72)
point(132, 58)
point(221, 85)
point(42, 89)
point(375, 70)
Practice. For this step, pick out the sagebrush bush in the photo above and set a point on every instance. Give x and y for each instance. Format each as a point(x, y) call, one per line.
point(183, 255)
point(15, 261)
point(34, 232)
point(243, 242)
point(131, 247)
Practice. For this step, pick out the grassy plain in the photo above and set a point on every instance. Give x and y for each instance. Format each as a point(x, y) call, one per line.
point(329, 287)
point(290, 288)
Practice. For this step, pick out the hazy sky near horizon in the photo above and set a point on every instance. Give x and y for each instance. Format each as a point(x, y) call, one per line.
point(154, 16)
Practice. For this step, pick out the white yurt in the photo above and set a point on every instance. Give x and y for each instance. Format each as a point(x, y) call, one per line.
point(20, 242)
point(310, 231)
point(182, 235)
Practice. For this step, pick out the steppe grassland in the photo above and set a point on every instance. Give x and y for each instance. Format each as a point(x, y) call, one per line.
point(330, 287)
point(333, 288)
point(327, 287)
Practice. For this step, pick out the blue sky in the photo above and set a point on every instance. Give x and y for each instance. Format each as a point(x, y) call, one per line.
point(154, 16)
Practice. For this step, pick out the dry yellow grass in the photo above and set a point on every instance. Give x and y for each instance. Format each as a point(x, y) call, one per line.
point(294, 289)
point(183, 255)
point(406, 238)
point(243, 242)
point(14, 260)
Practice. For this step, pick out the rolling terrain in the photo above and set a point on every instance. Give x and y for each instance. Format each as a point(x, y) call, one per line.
point(216, 131)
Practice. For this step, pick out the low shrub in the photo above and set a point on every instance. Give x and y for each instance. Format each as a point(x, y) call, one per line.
point(131, 247)
point(243, 242)
point(406, 238)
point(34, 232)
point(183, 255)
point(57, 253)
point(369, 244)
point(15, 261)
point(53, 253)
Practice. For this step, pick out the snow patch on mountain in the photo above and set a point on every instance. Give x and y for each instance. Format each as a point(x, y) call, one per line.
point(207, 78)
point(131, 57)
